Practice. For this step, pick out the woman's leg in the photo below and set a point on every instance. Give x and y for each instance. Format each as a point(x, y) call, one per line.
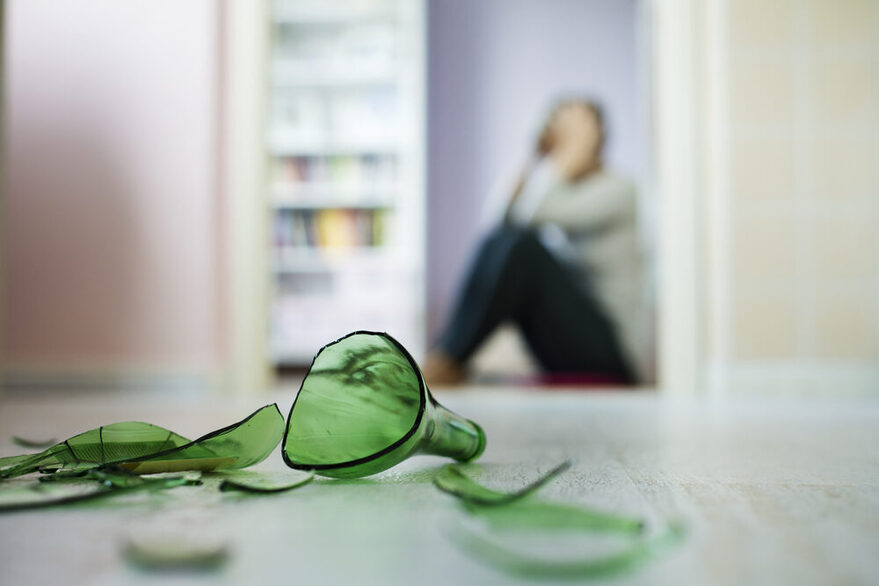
point(514, 277)
point(488, 295)
point(566, 328)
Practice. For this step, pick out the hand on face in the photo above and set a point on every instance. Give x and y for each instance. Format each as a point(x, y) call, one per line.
point(575, 138)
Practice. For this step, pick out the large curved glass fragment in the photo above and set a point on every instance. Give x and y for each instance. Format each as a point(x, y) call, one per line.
point(502, 514)
point(364, 407)
point(525, 565)
point(145, 448)
point(240, 445)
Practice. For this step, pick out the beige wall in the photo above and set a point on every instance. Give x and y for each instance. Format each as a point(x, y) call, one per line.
point(800, 116)
point(111, 211)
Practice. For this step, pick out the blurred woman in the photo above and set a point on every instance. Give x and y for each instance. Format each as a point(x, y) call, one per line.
point(564, 264)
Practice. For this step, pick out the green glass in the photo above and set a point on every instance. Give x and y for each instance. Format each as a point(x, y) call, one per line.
point(526, 566)
point(239, 445)
point(502, 514)
point(364, 407)
point(103, 445)
point(67, 488)
point(451, 479)
point(145, 448)
point(262, 487)
point(31, 443)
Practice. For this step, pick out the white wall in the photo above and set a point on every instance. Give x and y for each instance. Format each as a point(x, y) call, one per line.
point(111, 202)
point(494, 68)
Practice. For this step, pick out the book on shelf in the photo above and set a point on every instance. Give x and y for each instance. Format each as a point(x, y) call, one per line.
point(336, 228)
point(365, 172)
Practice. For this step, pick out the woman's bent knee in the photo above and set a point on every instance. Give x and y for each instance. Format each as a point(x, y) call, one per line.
point(510, 239)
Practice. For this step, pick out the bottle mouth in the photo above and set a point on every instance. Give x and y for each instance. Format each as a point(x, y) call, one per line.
point(481, 437)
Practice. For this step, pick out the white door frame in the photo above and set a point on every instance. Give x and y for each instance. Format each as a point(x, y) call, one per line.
point(2, 171)
point(678, 161)
point(245, 30)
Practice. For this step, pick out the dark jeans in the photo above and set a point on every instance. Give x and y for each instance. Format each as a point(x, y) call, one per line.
point(514, 277)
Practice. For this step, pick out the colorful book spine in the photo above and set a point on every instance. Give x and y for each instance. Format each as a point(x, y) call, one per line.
point(329, 228)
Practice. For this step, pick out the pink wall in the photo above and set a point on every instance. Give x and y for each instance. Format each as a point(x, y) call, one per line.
point(111, 211)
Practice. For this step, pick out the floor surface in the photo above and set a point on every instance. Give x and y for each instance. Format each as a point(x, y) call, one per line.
point(772, 491)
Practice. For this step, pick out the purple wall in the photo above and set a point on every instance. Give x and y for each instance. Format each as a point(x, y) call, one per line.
point(494, 67)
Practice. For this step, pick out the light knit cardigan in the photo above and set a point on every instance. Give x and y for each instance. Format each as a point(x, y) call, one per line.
point(592, 225)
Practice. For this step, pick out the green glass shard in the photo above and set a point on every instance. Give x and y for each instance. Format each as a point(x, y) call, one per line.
point(31, 443)
point(25, 498)
point(240, 445)
point(364, 407)
point(166, 556)
point(258, 487)
point(501, 512)
point(451, 479)
point(528, 514)
point(528, 566)
point(65, 475)
point(8, 462)
point(147, 449)
point(110, 475)
point(103, 445)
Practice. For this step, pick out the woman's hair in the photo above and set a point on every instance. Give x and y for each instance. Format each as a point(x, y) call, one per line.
point(544, 139)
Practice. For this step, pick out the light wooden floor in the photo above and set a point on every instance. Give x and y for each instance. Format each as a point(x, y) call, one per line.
point(773, 491)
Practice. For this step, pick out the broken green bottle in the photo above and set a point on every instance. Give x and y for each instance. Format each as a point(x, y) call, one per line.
point(364, 407)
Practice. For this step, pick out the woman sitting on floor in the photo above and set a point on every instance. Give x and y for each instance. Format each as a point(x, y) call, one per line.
point(565, 264)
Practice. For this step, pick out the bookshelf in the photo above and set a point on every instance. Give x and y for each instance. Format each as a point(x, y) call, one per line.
point(345, 187)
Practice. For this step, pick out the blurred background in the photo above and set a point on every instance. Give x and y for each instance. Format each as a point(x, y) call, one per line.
point(201, 194)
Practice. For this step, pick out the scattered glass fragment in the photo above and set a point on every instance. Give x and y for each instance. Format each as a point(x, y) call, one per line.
point(24, 498)
point(64, 475)
point(451, 479)
point(166, 556)
point(144, 448)
point(529, 566)
point(364, 407)
point(531, 514)
point(239, 445)
point(107, 444)
point(502, 512)
point(30, 443)
point(9, 462)
point(257, 487)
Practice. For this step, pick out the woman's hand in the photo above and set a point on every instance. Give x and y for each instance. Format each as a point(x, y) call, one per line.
point(573, 159)
point(575, 141)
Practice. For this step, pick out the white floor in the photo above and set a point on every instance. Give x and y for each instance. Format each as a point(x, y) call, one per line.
point(774, 491)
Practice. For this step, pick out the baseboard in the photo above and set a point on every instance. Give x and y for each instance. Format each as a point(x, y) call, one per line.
point(824, 378)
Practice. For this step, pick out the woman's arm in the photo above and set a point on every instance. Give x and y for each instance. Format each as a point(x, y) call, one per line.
point(536, 183)
point(589, 204)
point(514, 197)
